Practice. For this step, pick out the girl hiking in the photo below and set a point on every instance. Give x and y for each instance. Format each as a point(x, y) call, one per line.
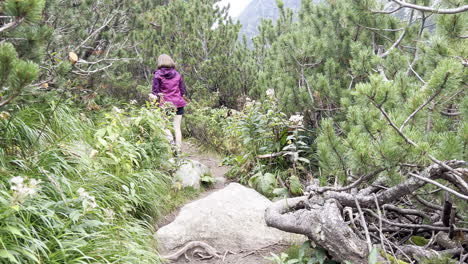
point(169, 88)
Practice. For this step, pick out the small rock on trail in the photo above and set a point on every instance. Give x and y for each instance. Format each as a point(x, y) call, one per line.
point(190, 173)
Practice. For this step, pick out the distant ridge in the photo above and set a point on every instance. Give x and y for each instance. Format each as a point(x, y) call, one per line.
point(257, 10)
point(262, 9)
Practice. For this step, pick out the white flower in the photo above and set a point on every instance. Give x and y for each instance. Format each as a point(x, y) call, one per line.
point(133, 102)
point(4, 115)
point(93, 153)
point(117, 110)
point(109, 213)
point(34, 182)
point(22, 188)
point(17, 180)
point(87, 199)
point(296, 120)
point(81, 192)
point(270, 93)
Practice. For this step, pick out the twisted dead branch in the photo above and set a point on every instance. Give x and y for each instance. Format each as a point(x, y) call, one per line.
point(320, 217)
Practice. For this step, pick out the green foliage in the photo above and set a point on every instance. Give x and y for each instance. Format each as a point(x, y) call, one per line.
point(15, 74)
point(86, 187)
point(263, 182)
point(419, 241)
point(212, 127)
point(304, 254)
point(439, 260)
point(208, 179)
point(30, 10)
point(259, 129)
point(373, 256)
point(391, 258)
point(77, 186)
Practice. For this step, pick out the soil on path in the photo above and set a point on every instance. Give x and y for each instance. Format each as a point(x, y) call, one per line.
point(252, 256)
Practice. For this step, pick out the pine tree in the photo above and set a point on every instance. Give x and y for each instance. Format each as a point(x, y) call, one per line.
point(202, 40)
point(388, 96)
point(16, 73)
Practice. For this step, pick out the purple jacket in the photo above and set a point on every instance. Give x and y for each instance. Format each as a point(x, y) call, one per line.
point(170, 83)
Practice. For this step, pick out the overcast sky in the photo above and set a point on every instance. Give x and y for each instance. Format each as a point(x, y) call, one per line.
point(236, 6)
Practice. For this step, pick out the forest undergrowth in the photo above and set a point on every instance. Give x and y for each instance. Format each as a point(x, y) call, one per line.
point(84, 186)
point(355, 111)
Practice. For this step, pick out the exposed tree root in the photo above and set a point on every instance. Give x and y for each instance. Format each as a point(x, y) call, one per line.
point(206, 251)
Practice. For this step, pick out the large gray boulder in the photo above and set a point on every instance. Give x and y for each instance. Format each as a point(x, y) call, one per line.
point(190, 173)
point(229, 219)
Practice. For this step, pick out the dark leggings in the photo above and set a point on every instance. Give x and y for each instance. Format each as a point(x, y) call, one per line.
point(180, 111)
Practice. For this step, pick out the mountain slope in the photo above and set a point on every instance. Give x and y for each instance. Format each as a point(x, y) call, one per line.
point(262, 9)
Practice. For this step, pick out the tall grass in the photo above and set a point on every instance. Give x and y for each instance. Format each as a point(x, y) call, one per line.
point(82, 187)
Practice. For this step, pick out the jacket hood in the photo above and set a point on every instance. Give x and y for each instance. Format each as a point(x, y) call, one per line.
point(167, 73)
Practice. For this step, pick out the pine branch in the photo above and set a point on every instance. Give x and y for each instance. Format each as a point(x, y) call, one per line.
point(415, 73)
point(408, 140)
point(400, 39)
point(390, 122)
point(430, 9)
point(441, 87)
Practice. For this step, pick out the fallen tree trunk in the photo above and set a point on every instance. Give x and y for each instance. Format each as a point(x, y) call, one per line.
point(322, 223)
point(319, 216)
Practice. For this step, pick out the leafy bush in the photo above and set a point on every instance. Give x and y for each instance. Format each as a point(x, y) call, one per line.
point(265, 149)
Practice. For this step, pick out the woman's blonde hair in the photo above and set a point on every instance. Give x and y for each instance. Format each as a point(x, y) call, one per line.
point(165, 61)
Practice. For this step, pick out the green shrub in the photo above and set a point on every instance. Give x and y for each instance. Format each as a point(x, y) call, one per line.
point(248, 136)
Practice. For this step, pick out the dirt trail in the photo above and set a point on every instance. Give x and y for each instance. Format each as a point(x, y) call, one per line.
point(253, 256)
point(213, 161)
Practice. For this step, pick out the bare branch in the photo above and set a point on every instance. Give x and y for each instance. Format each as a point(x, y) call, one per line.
point(8, 100)
point(402, 36)
point(11, 25)
point(410, 185)
point(83, 72)
point(352, 185)
point(272, 155)
point(450, 114)
point(382, 29)
point(411, 226)
point(406, 211)
point(457, 180)
point(103, 60)
point(430, 9)
point(398, 41)
point(440, 186)
point(364, 225)
point(416, 74)
point(95, 32)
